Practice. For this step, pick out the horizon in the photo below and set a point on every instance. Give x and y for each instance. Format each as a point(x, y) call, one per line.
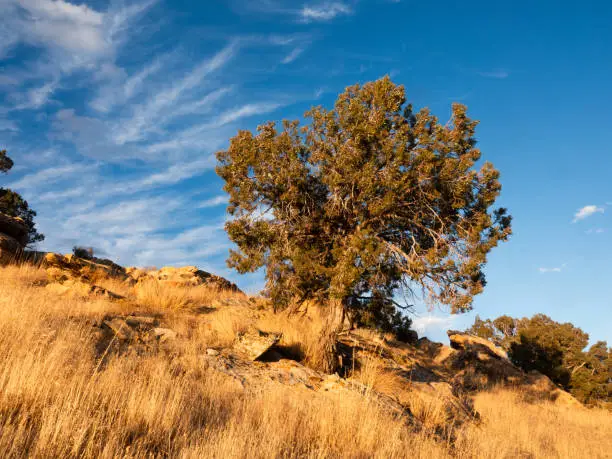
point(113, 112)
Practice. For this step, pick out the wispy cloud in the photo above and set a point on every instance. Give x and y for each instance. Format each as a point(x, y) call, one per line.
point(426, 324)
point(587, 211)
point(123, 91)
point(8, 125)
point(142, 121)
point(50, 175)
point(595, 231)
point(556, 269)
point(499, 74)
point(325, 11)
point(292, 56)
point(213, 202)
point(34, 98)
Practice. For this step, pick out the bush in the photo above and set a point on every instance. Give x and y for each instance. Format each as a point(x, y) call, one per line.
point(83, 252)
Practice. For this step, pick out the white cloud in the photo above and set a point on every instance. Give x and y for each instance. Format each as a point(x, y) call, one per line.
point(35, 98)
point(595, 231)
point(587, 211)
point(325, 11)
point(293, 55)
point(61, 24)
point(427, 324)
point(213, 202)
point(7, 125)
point(51, 175)
point(556, 269)
point(499, 74)
point(143, 119)
point(120, 93)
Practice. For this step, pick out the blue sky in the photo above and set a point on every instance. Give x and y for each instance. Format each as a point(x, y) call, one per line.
point(113, 112)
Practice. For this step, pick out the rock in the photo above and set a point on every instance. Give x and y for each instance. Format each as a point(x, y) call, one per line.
point(540, 386)
point(212, 352)
point(101, 291)
point(142, 321)
point(465, 342)
point(119, 327)
point(10, 249)
point(254, 343)
point(444, 353)
point(15, 228)
point(429, 347)
point(164, 334)
point(189, 276)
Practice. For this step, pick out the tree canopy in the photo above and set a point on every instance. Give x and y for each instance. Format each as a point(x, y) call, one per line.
point(12, 204)
point(554, 349)
point(6, 163)
point(367, 201)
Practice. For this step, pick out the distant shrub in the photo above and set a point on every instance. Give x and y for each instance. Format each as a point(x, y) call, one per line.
point(558, 350)
point(83, 252)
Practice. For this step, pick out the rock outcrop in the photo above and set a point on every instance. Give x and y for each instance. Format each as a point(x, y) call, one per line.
point(13, 238)
point(478, 364)
point(189, 276)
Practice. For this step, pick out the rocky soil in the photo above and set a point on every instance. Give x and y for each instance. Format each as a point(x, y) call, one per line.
point(430, 371)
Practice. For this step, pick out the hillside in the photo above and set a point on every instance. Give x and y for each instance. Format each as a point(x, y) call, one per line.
point(101, 361)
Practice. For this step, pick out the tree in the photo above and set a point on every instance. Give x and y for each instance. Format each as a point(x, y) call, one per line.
point(554, 349)
point(367, 201)
point(6, 163)
point(12, 204)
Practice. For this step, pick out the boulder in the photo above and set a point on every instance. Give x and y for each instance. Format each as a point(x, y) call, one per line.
point(119, 327)
point(189, 276)
point(254, 343)
point(464, 342)
point(15, 228)
point(10, 249)
point(479, 364)
point(164, 334)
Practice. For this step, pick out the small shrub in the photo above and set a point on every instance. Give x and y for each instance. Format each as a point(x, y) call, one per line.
point(86, 253)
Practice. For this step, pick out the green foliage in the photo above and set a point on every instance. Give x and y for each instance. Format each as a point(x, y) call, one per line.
point(86, 253)
point(6, 163)
point(12, 204)
point(367, 201)
point(554, 349)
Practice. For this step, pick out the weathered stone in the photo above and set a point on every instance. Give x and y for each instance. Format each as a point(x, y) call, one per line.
point(253, 343)
point(183, 276)
point(101, 291)
point(142, 321)
point(212, 352)
point(119, 327)
point(465, 342)
point(164, 334)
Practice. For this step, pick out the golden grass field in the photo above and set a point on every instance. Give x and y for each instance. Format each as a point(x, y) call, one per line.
point(58, 400)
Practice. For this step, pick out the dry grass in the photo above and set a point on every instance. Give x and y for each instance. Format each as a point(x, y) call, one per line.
point(307, 334)
point(57, 401)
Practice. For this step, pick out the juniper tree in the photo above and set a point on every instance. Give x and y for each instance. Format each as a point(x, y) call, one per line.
point(367, 201)
point(555, 349)
point(6, 163)
point(12, 204)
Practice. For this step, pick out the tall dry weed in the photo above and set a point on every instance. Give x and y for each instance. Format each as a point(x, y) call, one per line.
point(57, 401)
